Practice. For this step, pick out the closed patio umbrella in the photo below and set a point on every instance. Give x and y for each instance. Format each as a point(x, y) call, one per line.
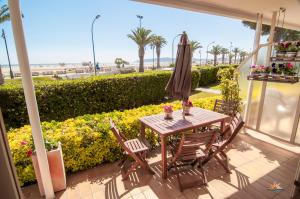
point(179, 85)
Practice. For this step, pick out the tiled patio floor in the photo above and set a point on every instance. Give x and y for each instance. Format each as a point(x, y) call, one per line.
point(254, 165)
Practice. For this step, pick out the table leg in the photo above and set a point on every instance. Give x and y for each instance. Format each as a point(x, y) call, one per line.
point(143, 132)
point(223, 126)
point(163, 156)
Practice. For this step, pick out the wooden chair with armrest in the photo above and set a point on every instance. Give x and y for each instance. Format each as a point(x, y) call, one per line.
point(134, 148)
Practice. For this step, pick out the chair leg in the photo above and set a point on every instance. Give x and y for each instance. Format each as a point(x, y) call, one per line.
point(132, 169)
point(225, 166)
point(226, 159)
point(203, 173)
point(144, 164)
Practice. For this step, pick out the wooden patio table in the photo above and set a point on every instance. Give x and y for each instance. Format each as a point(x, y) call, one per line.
point(165, 127)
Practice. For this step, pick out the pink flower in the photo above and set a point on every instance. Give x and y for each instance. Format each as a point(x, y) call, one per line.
point(168, 108)
point(290, 66)
point(24, 143)
point(29, 153)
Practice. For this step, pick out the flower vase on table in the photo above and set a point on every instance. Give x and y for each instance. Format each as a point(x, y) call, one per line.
point(186, 107)
point(168, 109)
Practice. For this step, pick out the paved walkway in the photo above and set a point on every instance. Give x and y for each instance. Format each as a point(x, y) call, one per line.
point(208, 90)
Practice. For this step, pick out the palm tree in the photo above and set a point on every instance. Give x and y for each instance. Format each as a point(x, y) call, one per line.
point(235, 51)
point(195, 45)
point(224, 51)
point(142, 37)
point(242, 55)
point(158, 42)
point(4, 16)
point(216, 50)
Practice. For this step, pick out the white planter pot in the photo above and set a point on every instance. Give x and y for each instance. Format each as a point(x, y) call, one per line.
point(56, 167)
point(169, 115)
point(186, 110)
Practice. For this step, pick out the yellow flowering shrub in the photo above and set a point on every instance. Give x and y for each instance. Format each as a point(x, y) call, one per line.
point(86, 140)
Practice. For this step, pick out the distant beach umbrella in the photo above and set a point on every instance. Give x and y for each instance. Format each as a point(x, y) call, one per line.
point(179, 85)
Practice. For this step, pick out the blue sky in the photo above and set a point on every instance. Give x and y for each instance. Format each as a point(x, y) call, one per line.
point(59, 31)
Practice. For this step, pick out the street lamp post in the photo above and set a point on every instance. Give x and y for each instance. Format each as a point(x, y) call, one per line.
point(140, 18)
point(92, 31)
point(173, 47)
point(10, 70)
point(207, 51)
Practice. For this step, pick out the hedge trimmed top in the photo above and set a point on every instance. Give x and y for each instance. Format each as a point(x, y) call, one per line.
point(63, 99)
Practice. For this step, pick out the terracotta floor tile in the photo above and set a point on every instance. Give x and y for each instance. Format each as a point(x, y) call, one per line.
point(254, 165)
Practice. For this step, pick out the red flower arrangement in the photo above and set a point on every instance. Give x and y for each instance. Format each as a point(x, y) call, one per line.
point(168, 108)
point(187, 103)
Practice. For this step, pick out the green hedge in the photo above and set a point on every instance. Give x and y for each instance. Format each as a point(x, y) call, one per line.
point(63, 99)
point(208, 74)
point(86, 140)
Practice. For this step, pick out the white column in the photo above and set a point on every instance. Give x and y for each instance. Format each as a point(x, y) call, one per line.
point(254, 60)
point(30, 98)
point(264, 83)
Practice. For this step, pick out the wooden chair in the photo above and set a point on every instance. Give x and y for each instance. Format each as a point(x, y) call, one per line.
point(218, 148)
point(134, 148)
point(191, 150)
point(227, 108)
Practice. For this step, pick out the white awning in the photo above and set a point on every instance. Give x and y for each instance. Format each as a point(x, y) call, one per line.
point(239, 9)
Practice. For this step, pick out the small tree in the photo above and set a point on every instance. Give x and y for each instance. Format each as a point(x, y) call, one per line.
point(230, 88)
point(118, 62)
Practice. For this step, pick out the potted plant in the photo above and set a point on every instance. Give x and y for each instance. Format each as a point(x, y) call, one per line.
point(186, 106)
point(289, 70)
point(255, 72)
point(264, 70)
point(168, 109)
point(281, 49)
point(56, 165)
point(291, 50)
point(276, 70)
point(298, 45)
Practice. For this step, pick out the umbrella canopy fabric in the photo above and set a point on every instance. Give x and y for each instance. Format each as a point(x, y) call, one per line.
point(179, 85)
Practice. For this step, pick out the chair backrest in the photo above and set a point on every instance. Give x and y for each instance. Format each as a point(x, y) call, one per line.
point(120, 138)
point(235, 126)
point(200, 139)
point(228, 108)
